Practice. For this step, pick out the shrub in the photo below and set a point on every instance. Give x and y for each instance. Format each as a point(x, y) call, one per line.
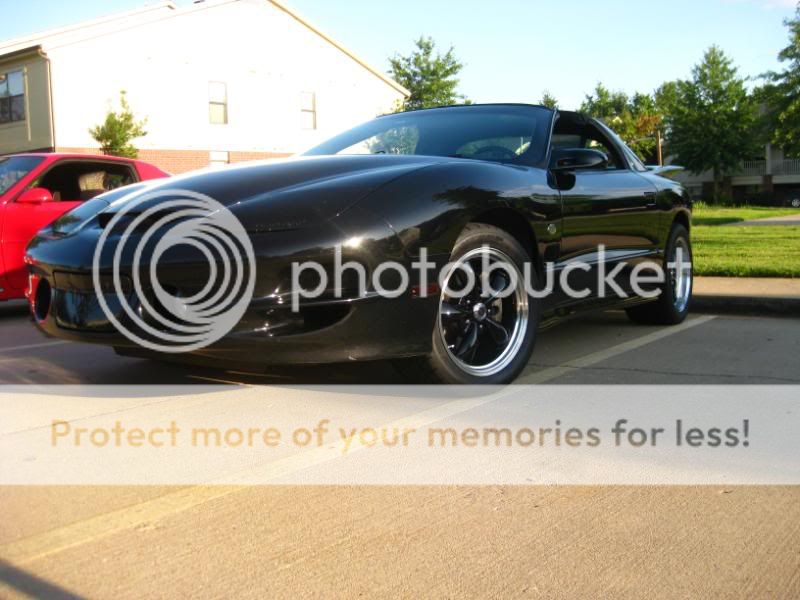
point(118, 130)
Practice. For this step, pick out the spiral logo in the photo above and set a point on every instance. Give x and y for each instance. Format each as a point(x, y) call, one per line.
point(163, 316)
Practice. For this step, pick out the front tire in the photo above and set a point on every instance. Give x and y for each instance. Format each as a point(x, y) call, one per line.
point(481, 337)
point(675, 298)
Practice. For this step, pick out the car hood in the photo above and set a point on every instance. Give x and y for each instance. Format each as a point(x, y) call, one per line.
point(280, 195)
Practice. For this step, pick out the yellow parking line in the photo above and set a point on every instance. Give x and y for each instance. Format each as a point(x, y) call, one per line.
point(81, 532)
point(75, 534)
point(31, 346)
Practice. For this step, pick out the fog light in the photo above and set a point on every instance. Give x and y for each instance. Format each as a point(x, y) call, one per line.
point(42, 300)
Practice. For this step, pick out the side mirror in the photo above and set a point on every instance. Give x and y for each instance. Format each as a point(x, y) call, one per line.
point(573, 159)
point(37, 195)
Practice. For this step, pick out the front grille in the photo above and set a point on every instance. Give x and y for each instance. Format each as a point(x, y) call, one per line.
point(84, 283)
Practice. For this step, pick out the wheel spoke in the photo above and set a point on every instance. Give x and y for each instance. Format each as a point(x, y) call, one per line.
point(453, 310)
point(463, 278)
point(470, 358)
point(498, 332)
point(467, 340)
point(499, 284)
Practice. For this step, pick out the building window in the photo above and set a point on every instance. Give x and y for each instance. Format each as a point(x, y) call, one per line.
point(12, 97)
point(217, 103)
point(218, 159)
point(308, 110)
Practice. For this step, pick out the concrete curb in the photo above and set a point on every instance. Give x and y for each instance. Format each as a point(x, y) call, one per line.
point(751, 305)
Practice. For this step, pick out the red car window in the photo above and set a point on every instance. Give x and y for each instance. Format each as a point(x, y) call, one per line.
point(77, 181)
point(14, 168)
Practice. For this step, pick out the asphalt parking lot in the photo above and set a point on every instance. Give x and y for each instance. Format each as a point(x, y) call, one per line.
point(411, 541)
point(601, 348)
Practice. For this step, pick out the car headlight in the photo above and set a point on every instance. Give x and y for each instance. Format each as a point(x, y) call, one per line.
point(74, 220)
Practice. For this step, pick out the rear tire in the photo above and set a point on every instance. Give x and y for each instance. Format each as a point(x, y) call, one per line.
point(675, 299)
point(480, 338)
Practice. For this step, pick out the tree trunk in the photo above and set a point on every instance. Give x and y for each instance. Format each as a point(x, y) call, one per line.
point(717, 178)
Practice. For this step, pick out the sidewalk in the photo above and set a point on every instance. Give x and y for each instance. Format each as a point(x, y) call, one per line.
point(787, 220)
point(747, 294)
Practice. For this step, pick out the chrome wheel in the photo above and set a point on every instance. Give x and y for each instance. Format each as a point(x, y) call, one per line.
point(680, 273)
point(483, 317)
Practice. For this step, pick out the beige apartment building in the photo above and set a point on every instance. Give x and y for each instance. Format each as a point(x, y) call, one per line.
point(217, 81)
point(774, 179)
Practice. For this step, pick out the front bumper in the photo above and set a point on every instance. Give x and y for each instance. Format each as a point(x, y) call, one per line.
point(64, 304)
point(325, 332)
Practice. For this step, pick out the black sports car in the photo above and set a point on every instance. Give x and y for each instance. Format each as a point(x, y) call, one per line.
point(537, 192)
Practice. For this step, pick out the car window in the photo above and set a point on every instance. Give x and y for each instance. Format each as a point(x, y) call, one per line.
point(78, 181)
point(595, 140)
point(573, 130)
point(503, 133)
point(566, 140)
point(398, 140)
point(14, 168)
point(496, 148)
point(632, 158)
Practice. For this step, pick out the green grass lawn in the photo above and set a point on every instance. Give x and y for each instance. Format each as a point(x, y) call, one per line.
point(704, 214)
point(767, 251)
point(749, 251)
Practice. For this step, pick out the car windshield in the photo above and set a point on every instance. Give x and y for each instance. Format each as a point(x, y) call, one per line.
point(14, 168)
point(503, 133)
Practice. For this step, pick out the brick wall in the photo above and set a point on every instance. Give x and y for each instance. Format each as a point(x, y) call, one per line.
point(180, 161)
point(244, 156)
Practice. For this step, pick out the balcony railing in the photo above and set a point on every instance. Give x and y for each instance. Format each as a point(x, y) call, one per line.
point(752, 168)
point(757, 168)
point(788, 166)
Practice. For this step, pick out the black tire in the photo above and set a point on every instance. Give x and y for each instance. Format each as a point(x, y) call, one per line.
point(666, 310)
point(441, 366)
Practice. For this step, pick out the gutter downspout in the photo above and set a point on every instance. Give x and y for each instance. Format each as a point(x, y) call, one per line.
point(43, 54)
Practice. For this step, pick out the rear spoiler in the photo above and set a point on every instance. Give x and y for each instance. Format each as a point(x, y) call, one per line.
point(668, 171)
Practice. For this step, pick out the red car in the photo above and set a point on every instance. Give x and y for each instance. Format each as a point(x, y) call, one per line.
point(36, 189)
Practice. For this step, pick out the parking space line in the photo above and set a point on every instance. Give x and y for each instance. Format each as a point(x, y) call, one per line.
point(31, 346)
point(217, 380)
point(529, 376)
point(82, 532)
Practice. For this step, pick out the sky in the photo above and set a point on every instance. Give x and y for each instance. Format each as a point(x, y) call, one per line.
point(513, 50)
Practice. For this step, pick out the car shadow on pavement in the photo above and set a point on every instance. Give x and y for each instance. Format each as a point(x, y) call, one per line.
point(32, 586)
point(366, 373)
point(13, 308)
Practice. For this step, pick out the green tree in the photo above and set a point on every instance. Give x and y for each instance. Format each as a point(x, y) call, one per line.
point(781, 94)
point(118, 130)
point(665, 98)
point(548, 100)
point(431, 78)
point(635, 119)
point(604, 104)
point(711, 125)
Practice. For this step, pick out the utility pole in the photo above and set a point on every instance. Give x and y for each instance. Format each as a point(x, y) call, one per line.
point(658, 148)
